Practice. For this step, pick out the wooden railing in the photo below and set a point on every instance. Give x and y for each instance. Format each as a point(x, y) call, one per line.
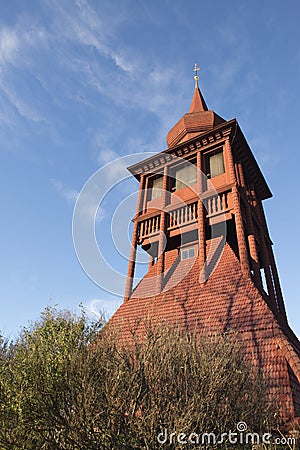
point(184, 215)
point(216, 204)
point(149, 226)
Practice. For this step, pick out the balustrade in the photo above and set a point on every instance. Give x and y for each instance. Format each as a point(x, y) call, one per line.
point(184, 215)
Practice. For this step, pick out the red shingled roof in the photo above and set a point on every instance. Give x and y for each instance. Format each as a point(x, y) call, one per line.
point(226, 302)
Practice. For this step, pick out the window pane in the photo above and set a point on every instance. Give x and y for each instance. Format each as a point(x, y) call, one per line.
point(187, 253)
point(186, 176)
point(191, 253)
point(156, 191)
point(184, 254)
point(216, 164)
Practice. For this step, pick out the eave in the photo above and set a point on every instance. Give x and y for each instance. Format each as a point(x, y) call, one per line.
point(204, 140)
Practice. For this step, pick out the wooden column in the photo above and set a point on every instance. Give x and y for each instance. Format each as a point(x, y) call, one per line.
point(276, 288)
point(162, 233)
point(253, 250)
point(146, 194)
point(264, 236)
point(132, 257)
point(201, 220)
point(279, 295)
point(251, 235)
point(243, 253)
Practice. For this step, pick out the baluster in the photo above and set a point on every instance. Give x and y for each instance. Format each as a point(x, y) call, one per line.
point(209, 206)
point(219, 204)
point(206, 206)
point(222, 201)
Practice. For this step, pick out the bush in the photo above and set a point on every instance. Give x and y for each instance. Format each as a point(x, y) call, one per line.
point(64, 385)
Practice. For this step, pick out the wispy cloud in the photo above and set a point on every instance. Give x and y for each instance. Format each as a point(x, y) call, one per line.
point(102, 307)
point(9, 44)
point(90, 209)
point(65, 192)
point(85, 60)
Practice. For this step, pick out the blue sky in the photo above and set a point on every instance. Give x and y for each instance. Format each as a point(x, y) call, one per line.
point(83, 82)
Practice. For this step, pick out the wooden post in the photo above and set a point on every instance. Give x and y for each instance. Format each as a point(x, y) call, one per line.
point(162, 233)
point(132, 257)
point(201, 220)
point(251, 235)
point(279, 295)
point(271, 273)
point(243, 253)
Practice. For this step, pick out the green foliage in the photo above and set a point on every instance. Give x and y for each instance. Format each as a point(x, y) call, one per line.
point(38, 377)
point(65, 386)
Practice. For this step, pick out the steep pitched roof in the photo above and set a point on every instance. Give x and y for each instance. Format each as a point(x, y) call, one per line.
point(198, 103)
point(198, 120)
point(228, 302)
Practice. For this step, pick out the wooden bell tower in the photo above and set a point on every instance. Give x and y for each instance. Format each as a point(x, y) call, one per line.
point(211, 267)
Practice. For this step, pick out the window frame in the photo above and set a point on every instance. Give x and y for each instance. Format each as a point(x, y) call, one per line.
point(151, 189)
point(180, 166)
point(189, 251)
point(207, 165)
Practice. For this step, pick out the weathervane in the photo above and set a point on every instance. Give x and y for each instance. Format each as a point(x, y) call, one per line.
point(196, 77)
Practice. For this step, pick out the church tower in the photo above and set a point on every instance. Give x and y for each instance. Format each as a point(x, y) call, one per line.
point(200, 218)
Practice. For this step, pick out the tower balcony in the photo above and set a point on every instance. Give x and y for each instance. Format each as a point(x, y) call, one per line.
point(184, 217)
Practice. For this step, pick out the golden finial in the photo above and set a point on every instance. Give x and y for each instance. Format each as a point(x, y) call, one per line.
point(196, 77)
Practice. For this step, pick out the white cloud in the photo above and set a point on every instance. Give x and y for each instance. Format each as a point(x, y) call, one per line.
point(90, 209)
point(102, 307)
point(72, 32)
point(106, 155)
point(65, 192)
point(9, 45)
point(17, 41)
point(16, 44)
point(24, 109)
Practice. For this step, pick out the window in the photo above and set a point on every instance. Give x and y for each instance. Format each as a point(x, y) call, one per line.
point(215, 164)
point(185, 175)
point(187, 253)
point(156, 187)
